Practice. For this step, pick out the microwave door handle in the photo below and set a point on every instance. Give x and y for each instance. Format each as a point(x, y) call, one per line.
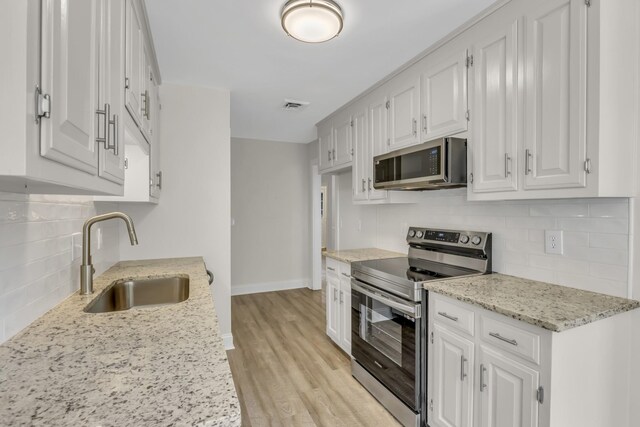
point(406, 309)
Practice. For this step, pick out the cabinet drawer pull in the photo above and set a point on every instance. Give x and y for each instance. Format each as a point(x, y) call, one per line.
point(501, 338)
point(331, 268)
point(415, 127)
point(448, 316)
point(424, 123)
point(370, 184)
point(507, 160)
point(527, 165)
point(346, 275)
point(482, 371)
point(363, 184)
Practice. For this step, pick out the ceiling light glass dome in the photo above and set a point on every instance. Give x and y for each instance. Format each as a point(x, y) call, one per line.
point(312, 21)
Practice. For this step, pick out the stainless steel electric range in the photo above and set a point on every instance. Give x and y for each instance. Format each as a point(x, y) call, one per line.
point(388, 314)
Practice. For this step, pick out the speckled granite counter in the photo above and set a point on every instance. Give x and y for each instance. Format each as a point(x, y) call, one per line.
point(354, 255)
point(548, 306)
point(147, 366)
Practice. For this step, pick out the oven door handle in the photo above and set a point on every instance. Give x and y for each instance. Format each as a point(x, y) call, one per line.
point(411, 310)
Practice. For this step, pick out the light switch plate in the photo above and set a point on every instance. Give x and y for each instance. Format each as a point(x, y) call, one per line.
point(553, 242)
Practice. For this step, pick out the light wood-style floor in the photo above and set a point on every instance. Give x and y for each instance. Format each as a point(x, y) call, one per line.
point(287, 371)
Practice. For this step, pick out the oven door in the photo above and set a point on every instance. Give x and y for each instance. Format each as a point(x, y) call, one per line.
point(385, 340)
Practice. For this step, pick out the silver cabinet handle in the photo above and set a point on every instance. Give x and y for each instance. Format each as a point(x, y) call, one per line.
point(527, 164)
point(501, 338)
point(331, 268)
point(116, 138)
point(424, 123)
point(370, 184)
point(346, 275)
point(463, 375)
point(159, 184)
point(106, 113)
point(448, 316)
point(471, 177)
point(341, 299)
point(329, 155)
point(145, 109)
point(363, 183)
point(415, 127)
point(507, 160)
point(482, 371)
point(335, 295)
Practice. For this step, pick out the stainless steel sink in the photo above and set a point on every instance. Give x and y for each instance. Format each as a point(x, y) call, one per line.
point(130, 293)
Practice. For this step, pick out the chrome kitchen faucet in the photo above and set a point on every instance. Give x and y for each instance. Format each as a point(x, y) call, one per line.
point(86, 269)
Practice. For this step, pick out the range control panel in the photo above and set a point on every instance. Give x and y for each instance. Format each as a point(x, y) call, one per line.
point(469, 239)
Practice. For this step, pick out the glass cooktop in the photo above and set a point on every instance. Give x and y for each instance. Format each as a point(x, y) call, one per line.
point(414, 270)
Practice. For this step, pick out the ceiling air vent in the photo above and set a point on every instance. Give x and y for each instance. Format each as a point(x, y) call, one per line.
point(293, 105)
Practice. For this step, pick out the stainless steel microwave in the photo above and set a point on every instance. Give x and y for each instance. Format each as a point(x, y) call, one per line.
point(437, 164)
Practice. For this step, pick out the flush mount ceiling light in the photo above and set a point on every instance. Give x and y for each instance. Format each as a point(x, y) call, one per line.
point(312, 21)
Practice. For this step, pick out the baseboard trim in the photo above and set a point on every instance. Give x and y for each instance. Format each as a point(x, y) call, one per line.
point(256, 288)
point(227, 339)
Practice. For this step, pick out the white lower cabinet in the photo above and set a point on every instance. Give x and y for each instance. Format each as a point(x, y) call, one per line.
point(338, 303)
point(452, 379)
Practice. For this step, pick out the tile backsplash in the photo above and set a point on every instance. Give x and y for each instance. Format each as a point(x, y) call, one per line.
point(595, 232)
point(36, 267)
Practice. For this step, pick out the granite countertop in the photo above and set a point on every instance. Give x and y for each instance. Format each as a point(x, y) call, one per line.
point(366, 254)
point(553, 307)
point(147, 366)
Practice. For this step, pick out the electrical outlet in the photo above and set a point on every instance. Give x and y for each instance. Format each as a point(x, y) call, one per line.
point(553, 242)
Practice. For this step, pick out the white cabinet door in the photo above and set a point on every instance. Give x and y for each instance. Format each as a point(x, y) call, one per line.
point(333, 308)
point(325, 142)
point(360, 171)
point(444, 94)
point(452, 379)
point(495, 137)
point(111, 153)
point(404, 106)
point(555, 94)
point(342, 140)
point(134, 63)
point(378, 139)
point(345, 312)
point(70, 60)
point(508, 397)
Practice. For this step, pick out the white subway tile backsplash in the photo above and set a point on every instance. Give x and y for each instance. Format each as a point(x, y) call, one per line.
point(36, 270)
point(595, 233)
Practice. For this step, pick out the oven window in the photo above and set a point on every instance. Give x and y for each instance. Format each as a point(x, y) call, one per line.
point(382, 327)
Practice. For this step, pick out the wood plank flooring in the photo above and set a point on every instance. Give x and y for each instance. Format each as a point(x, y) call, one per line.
point(287, 371)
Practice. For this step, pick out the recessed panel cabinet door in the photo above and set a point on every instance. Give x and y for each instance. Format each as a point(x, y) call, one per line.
point(345, 314)
point(111, 165)
point(404, 107)
point(508, 392)
point(378, 134)
point(134, 63)
point(342, 140)
point(555, 94)
point(495, 110)
point(361, 152)
point(70, 58)
point(444, 95)
point(452, 380)
point(333, 309)
point(325, 138)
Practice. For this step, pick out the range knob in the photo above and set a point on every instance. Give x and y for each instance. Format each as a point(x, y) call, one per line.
point(464, 239)
point(419, 234)
point(412, 233)
point(476, 240)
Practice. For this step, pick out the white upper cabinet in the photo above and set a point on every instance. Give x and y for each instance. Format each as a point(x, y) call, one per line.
point(555, 94)
point(70, 61)
point(377, 141)
point(342, 152)
point(360, 171)
point(404, 110)
point(111, 150)
point(325, 142)
point(444, 94)
point(135, 58)
point(494, 133)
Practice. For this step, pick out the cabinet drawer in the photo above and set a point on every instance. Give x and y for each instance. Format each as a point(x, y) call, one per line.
point(511, 338)
point(333, 267)
point(451, 314)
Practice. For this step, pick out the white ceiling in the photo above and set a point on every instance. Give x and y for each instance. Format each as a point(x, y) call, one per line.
point(239, 45)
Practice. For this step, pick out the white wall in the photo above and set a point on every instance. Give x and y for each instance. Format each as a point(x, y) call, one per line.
point(596, 233)
point(270, 199)
point(36, 270)
point(193, 217)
